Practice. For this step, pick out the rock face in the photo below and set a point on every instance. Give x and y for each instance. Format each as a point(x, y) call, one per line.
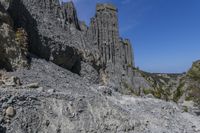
point(70, 15)
point(56, 34)
point(11, 55)
point(105, 34)
point(5, 4)
point(47, 38)
point(116, 53)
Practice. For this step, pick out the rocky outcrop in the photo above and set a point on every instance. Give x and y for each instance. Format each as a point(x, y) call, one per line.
point(11, 54)
point(70, 15)
point(5, 4)
point(105, 31)
point(46, 38)
point(116, 53)
point(52, 31)
point(56, 34)
point(105, 34)
point(126, 53)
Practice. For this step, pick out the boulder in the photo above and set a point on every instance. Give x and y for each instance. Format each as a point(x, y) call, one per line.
point(10, 111)
point(32, 85)
point(12, 81)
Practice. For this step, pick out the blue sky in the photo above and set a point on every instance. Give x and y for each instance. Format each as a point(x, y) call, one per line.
point(165, 33)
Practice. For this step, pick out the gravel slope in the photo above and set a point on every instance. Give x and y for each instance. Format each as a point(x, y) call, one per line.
point(66, 103)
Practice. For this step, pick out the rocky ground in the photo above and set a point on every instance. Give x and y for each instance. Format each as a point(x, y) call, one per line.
point(52, 99)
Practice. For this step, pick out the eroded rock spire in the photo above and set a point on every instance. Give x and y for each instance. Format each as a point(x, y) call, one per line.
point(70, 14)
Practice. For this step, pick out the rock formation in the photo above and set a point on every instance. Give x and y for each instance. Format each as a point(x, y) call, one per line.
point(12, 55)
point(56, 34)
point(105, 34)
point(70, 15)
point(116, 53)
point(105, 31)
point(75, 75)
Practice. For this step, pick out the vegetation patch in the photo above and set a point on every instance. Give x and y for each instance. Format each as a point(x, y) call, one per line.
point(178, 92)
point(185, 108)
point(130, 89)
point(129, 65)
point(147, 91)
point(194, 72)
point(195, 95)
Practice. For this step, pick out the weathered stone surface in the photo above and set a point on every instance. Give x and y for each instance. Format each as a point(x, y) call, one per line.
point(10, 112)
point(105, 32)
point(89, 73)
point(5, 3)
point(116, 53)
point(7, 81)
point(12, 81)
point(70, 14)
point(11, 55)
point(54, 32)
point(32, 85)
point(4, 17)
point(75, 105)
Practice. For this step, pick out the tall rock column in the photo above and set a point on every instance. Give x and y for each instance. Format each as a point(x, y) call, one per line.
point(70, 14)
point(105, 31)
point(126, 52)
point(116, 53)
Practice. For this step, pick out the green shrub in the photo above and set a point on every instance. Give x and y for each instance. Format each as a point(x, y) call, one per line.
point(188, 98)
point(185, 108)
point(147, 91)
point(178, 93)
point(129, 65)
point(195, 95)
point(194, 72)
